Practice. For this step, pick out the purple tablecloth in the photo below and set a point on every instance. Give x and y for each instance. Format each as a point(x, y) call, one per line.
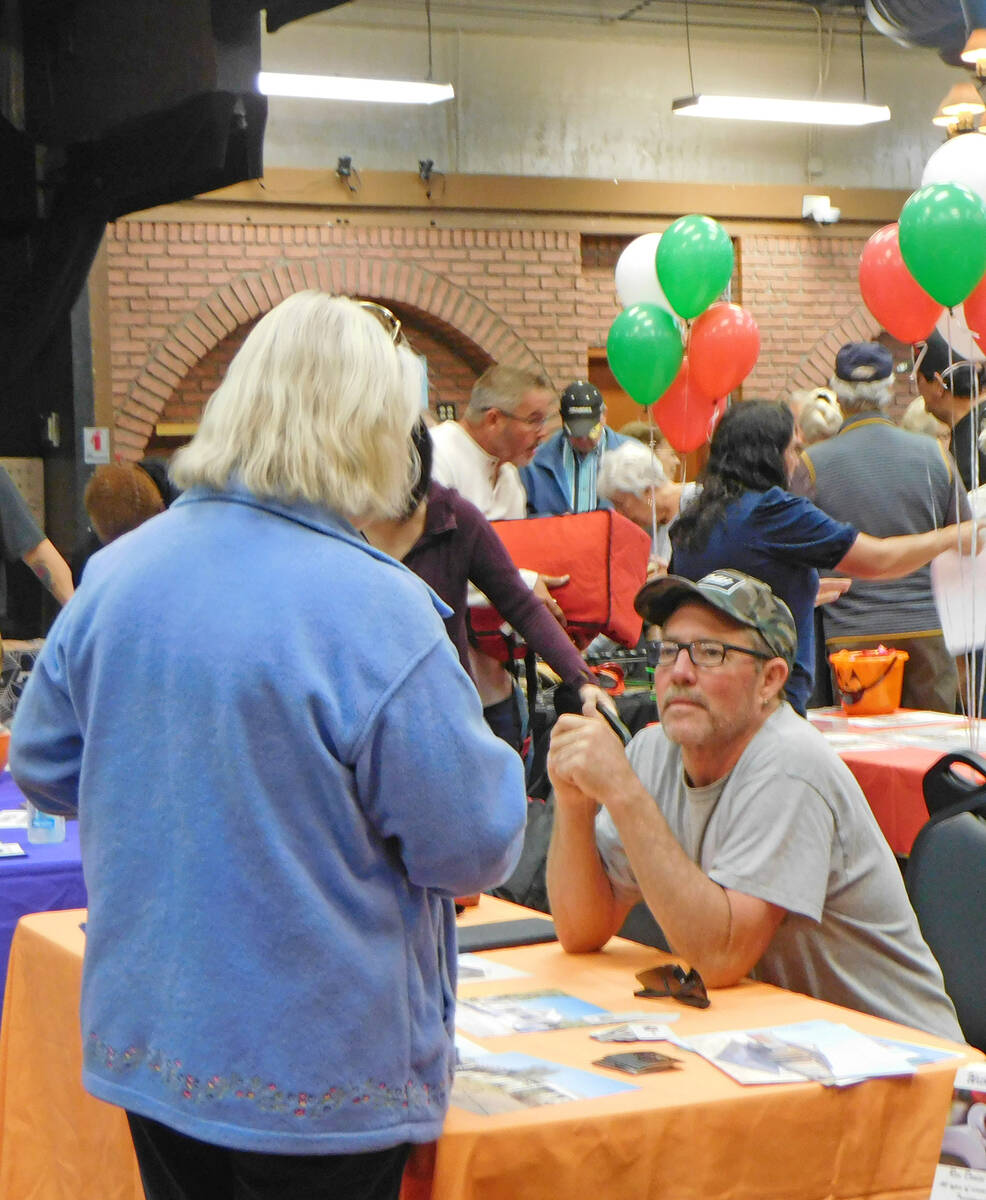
point(48, 877)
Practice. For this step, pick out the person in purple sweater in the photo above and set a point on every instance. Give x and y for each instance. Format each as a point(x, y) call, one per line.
point(446, 540)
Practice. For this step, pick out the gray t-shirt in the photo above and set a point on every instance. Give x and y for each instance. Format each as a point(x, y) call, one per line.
point(790, 825)
point(19, 531)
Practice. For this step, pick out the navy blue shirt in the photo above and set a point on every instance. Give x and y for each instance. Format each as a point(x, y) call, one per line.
point(781, 539)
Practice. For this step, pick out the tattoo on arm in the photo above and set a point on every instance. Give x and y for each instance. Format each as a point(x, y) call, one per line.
point(42, 572)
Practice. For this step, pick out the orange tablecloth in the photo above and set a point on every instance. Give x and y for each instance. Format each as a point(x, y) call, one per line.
point(691, 1134)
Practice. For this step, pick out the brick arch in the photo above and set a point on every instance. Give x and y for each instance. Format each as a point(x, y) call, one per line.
point(451, 310)
point(816, 367)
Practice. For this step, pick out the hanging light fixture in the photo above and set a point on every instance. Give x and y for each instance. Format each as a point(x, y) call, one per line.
point(974, 51)
point(962, 99)
point(772, 108)
point(349, 87)
point(960, 110)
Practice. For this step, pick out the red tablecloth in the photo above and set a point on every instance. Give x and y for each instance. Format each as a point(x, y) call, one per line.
point(889, 757)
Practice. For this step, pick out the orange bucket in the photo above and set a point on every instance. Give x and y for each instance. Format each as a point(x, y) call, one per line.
point(869, 681)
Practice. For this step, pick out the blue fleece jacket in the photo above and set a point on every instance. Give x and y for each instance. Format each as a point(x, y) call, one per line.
point(282, 776)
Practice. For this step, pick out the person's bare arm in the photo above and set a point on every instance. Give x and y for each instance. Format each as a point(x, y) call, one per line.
point(890, 558)
point(53, 571)
point(585, 911)
point(721, 932)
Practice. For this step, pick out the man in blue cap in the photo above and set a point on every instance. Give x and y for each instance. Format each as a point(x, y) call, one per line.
point(886, 482)
point(561, 478)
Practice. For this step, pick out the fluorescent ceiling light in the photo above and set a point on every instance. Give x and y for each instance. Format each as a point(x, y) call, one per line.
point(344, 87)
point(795, 112)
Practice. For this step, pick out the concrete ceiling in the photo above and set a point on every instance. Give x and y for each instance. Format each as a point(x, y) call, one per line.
point(612, 15)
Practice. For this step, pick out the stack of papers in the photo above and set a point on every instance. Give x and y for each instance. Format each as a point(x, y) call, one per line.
point(823, 1051)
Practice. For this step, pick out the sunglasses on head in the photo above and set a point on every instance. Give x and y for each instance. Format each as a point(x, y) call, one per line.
point(672, 980)
point(391, 323)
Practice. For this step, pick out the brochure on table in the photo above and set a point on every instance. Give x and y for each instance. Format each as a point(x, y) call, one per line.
point(961, 1170)
point(823, 1051)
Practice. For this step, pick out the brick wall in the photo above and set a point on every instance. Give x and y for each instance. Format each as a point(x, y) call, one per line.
point(182, 296)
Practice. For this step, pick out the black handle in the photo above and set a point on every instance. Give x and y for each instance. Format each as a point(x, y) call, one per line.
point(945, 791)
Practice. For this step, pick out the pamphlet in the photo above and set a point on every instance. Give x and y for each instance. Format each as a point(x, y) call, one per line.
point(532, 1012)
point(823, 1051)
point(961, 1170)
point(489, 1084)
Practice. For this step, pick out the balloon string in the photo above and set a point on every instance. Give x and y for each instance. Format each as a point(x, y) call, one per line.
point(653, 497)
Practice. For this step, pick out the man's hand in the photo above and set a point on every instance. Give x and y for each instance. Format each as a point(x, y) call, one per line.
point(830, 588)
point(540, 589)
point(586, 754)
point(594, 697)
point(970, 537)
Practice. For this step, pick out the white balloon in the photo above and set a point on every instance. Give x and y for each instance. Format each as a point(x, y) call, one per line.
point(962, 159)
point(636, 273)
point(956, 332)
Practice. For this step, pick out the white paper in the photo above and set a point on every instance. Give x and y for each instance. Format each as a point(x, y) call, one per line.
point(475, 967)
point(824, 1051)
point(958, 582)
point(13, 818)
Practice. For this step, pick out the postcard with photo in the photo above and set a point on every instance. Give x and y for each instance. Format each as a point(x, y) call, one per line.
point(505, 1083)
point(524, 1012)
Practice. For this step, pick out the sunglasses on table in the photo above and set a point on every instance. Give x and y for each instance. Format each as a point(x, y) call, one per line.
point(673, 980)
point(703, 653)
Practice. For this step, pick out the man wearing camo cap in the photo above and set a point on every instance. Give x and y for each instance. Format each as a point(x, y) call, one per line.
point(742, 830)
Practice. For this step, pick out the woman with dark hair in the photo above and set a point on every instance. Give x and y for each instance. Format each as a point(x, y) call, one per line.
point(448, 542)
point(745, 518)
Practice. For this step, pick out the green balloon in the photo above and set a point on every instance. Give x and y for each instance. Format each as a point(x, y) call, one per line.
point(644, 351)
point(694, 263)
point(942, 232)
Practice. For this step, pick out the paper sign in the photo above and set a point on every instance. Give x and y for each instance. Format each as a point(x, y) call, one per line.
point(95, 444)
point(959, 586)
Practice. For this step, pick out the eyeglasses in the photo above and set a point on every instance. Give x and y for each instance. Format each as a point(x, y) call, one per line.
point(387, 319)
point(703, 653)
point(535, 421)
point(673, 980)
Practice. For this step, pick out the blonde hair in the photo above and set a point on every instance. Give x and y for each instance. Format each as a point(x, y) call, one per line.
point(820, 417)
point(317, 405)
point(505, 388)
point(917, 419)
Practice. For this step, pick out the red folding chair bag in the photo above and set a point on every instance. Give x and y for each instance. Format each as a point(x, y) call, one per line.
point(605, 556)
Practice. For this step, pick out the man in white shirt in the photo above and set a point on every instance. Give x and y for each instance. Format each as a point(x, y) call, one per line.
point(478, 455)
point(499, 432)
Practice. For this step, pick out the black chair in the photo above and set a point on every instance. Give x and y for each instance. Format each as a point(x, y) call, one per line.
point(946, 882)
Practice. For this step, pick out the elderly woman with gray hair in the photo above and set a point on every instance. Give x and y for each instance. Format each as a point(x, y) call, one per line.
point(633, 480)
point(283, 777)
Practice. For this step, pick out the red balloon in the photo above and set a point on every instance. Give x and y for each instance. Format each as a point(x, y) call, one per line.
point(685, 414)
point(890, 291)
point(723, 347)
point(974, 307)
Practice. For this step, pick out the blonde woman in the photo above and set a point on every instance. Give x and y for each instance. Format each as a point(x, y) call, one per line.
point(282, 776)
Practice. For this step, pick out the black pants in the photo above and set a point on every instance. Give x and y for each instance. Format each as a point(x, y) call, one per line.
point(176, 1167)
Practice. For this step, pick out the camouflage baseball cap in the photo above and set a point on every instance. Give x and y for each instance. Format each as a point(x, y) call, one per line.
point(747, 600)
